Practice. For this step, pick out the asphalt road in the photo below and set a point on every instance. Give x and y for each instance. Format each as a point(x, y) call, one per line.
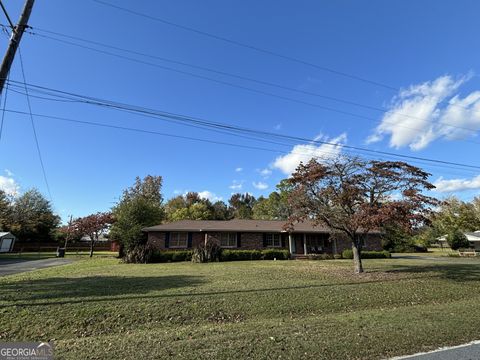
point(14, 266)
point(469, 351)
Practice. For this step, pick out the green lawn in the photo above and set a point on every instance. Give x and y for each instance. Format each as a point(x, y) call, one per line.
point(102, 309)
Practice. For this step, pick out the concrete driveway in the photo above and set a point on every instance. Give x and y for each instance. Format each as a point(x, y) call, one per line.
point(15, 266)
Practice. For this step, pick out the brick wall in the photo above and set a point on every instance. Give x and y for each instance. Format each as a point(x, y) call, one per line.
point(157, 240)
point(248, 240)
point(253, 241)
point(372, 242)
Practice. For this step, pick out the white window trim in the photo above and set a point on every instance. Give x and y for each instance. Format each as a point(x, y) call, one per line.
point(230, 246)
point(273, 240)
point(178, 246)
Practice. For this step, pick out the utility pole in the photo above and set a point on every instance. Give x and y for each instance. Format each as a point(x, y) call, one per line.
point(16, 36)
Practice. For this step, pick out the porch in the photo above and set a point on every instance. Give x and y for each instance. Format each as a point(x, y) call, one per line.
point(301, 244)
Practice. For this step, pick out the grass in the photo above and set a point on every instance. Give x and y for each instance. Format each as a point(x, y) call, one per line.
point(102, 309)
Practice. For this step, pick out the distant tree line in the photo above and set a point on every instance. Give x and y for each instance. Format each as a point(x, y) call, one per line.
point(191, 206)
point(452, 217)
point(346, 194)
point(29, 217)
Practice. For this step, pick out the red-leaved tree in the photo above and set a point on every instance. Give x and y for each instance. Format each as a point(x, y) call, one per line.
point(353, 196)
point(94, 225)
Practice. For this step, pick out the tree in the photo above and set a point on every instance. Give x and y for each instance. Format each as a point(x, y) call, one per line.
point(32, 217)
point(397, 239)
point(68, 232)
point(140, 206)
point(242, 205)
point(193, 207)
point(221, 211)
point(353, 196)
point(457, 240)
point(456, 214)
point(94, 225)
point(148, 188)
point(5, 211)
point(276, 206)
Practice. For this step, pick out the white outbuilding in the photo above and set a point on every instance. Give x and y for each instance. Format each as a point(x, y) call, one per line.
point(472, 237)
point(7, 240)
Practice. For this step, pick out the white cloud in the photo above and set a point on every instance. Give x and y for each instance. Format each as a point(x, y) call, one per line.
point(238, 169)
point(209, 196)
point(265, 172)
point(305, 152)
point(236, 185)
point(9, 185)
point(260, 185)
point(278, 126)
point(453, 185)
point(418, 115)
point(9, 173)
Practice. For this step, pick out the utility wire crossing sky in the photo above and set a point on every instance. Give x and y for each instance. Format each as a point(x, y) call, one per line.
point(237, 89)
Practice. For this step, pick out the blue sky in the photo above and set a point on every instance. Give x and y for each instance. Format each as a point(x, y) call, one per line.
point(423, 50)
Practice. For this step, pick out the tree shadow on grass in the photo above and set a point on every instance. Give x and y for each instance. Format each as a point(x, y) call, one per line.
point(460, 272)
point(81, 289)
point(61, 291)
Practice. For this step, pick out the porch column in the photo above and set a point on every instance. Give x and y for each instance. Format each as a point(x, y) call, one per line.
point(291, 244)
point(305, 244)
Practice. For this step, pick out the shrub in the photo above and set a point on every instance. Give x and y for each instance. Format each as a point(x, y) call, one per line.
point(420, 248)
point(321, 257)
point(456, 239)
point(239, 255)
point(271, 254)
point(172, 256)
point(138, 254)
point(348, 254)
point(207, 252)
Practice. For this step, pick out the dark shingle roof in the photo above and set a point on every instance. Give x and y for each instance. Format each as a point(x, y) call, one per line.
point(236, 225)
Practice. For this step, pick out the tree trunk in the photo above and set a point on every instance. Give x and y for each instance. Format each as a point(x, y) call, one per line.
point(92, 242)
point(357, 257)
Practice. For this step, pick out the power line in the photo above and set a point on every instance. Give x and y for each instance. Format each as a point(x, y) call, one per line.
point(33, 126)
point(248, 46)
point(7, 16)
point(122, 106)
point(151, 132)
point(205, 127)
point(327, 97)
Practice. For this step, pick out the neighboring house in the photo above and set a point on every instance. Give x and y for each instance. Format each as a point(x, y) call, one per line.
point(472, 237)
point(101, 238)
point(254, 234)
point(7, 240)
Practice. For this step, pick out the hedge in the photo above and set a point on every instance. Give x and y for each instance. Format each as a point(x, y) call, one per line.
point(321, 257)
point(171, 256)
point(348, 254)
point(270, 254)
point(226, 255)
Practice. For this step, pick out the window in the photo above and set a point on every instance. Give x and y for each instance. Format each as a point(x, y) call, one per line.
point(273, 240)
point(178, 239)
point(228, 239)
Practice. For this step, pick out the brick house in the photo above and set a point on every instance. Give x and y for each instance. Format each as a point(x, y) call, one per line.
point(254, 234)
